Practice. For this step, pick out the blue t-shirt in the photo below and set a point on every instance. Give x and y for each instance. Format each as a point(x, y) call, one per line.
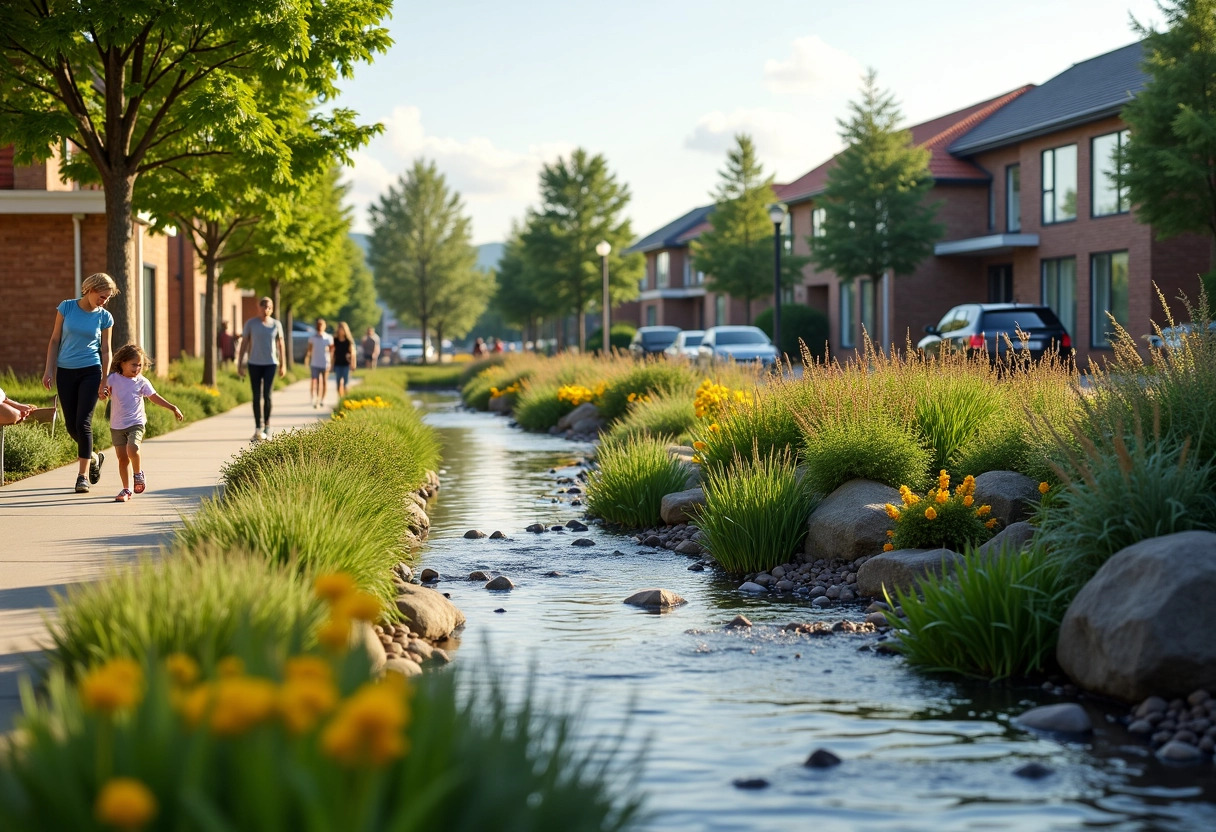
point(80, 337)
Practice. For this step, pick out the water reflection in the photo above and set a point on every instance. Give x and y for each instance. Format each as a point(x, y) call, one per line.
point(920, 753)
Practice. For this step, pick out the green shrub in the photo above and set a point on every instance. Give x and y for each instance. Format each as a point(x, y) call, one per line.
point(29, 447)
point(993, 617)
point(864, 445)
point(940, 519)
point(619, 338)
point(537, 407)
point(322, 519)
point(1001, 446)
point(800, 324)
point(755, 513)
point(659, 417)
point(764, 425)
point(193, 603)
point(647, 378)
point(631, 481)
point(477, 392)
point(474, 369)
point(951, 412)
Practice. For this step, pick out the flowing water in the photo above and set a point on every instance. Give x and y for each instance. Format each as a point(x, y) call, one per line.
point(715, 706)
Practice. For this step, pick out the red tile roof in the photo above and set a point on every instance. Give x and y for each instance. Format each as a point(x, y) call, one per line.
point(936, 135)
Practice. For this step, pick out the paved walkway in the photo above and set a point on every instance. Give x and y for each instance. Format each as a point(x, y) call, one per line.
point(51, 537)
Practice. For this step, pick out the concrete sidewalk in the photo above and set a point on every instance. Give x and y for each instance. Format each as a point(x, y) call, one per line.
point(51, 537)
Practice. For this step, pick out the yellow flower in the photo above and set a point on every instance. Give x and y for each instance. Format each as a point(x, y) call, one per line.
point(943, 496)
point(304, 699)
point(369, 726)
point(892, 511)
point(890, 532)
point(930, 513)
point(115, 686)
point(696, 459)
point(943, 480)
point(1044, 488)
point(699, 445)
point(183, 670)
point(240, 703)
point(125, 803)
point(714, 428)
point(991, 524)
point(307, 667)
point(193, 704)
point(888, 547)
point(334, 633)
point(983, 511)
point(968, 501)
point(229, 666)
point(360, 606)
point(335, 585)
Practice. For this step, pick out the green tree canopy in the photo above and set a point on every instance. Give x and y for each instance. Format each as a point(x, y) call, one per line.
point(519, 296)
point(361, 309)
point(460, 304)
point(736, 254)
point(420, 246)
point(1169, 166)
point(121, 80)
point(581, 203)
point(876, 214)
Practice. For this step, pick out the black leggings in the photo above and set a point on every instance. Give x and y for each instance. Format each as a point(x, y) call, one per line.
point(261, 379)
point(78, 396)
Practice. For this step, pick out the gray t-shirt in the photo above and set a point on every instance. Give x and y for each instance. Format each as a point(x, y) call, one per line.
point(261, 337)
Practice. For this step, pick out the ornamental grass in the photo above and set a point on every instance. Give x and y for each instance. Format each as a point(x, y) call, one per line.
point(941, 519)
point(755, 512)
point(266, 739)
point(993, 617)
point(741, 423)
point(669, 418)
point(649, 377)
point(632, 476)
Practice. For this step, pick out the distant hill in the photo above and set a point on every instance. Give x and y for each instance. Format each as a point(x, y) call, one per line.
point(488, 255)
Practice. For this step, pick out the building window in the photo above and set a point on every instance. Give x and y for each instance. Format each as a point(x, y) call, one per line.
point(1013, 198)
point(147, 297)
point(991, 207)
point(847, 337)
point(720, 310)
point(1108, 193)
point(869, 308)
point(1108, 276)
point(687, 270)
point(1060, 290)
point(652, 314)
point(787, 233)
point(787, 294)
point(817, 219)
point(1060, 184)
point(700, 278)
point(662, 270)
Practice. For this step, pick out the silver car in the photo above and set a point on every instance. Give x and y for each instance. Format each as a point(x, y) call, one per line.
point(736, 343)
point(685, 346)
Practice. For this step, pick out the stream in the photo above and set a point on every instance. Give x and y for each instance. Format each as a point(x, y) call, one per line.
point(713, 706)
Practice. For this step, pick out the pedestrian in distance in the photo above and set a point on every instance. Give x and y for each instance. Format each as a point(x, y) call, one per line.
point(479, 349)
point(344, 357)
point(496, 346)
point(371, 349)
point(127, 388)
point(225, 343)
point(12, 412)
point(319, 358)
point(262, 345)
point(78, 349)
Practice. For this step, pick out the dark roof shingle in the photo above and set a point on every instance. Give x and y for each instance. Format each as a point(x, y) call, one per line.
point(669, 235)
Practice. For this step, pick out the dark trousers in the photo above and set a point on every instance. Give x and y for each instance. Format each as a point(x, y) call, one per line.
point(261, 379)
point(78, 396)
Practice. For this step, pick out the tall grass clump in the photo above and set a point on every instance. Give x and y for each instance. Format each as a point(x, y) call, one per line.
point(632, 478)
point(647, 378)
point(755, 513)
point(29, 447)
point(864, 445)
point(539, 407)
point(193, 603)
point(755, 421)
point(659, 416)
point(992, 618)
point(951, 412)
point(322, 519)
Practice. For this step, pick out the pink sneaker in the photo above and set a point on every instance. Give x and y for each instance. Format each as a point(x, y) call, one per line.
point(140, 483)
point(123, 496)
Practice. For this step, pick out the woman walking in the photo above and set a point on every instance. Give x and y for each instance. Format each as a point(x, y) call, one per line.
point(344, 357)
point(262, 345)
point(78, 349)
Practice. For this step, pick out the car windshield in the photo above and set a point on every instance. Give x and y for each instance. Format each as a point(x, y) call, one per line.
point(1015, 319)
point(651, 338)
point(740, 338)
point(693, 340)
point(416, 343)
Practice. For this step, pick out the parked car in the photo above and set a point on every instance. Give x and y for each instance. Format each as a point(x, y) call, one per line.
point(1171, 337)
point(415, 351)
point(985, 326)
point(300, 333)
point(650, 340)
point(736, 343)
point(684, 348)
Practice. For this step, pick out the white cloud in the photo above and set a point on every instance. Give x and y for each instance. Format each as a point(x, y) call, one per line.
point(788, 144)
point(814, 68)
point(496, 184)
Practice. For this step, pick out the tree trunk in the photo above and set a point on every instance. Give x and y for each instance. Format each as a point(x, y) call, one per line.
point(438, 342)
point(289, 323)
point(423, 321)
point(210, 302)
point(120, 256)
point(582, 328)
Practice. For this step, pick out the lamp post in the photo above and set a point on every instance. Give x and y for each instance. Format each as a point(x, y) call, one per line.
point(603, 248)
point(776, 213)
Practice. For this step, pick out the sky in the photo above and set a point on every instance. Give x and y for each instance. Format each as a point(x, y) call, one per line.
point(491, 91)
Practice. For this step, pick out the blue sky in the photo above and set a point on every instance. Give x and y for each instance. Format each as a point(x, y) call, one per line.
point(492, 90)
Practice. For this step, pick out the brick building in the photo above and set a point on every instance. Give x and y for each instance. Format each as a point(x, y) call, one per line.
point(187, 286)
point(52, 235)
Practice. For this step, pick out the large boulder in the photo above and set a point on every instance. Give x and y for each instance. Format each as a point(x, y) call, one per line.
point(419, 523)
point(903, 569)
point(1143, 624)
point(501, 404)
point(586, 410)
point(1013, 538)
point(681, 506)
point(1012, 496)
point(851, 522)
point(427, 612)
point(589, 426)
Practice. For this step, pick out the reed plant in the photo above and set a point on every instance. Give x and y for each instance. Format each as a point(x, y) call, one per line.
point(650, 376)
point(760, 421)
point(864, 444)
point(994, 617)
point(951, 411)
point(659, 416)
point(632, 477)
point(195, 602)
point(755, 512)
point(539, 406)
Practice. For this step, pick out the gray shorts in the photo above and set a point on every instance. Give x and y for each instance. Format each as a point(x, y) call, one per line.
point(130, 437)
point(318, 372)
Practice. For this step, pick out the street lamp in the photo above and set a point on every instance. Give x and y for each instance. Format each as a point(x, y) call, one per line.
point(776, 213)
point(603, 248)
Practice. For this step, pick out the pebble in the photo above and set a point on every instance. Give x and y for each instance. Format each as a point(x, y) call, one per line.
point(877, 618)
point(501, 582)
point(474, 534)
point(752, 586)
point(1062, 718)
point(738, 622)
point(429, 576)
point(821, 758)
point(479, 575)
point(575, 526)
point(1182, 726)
point(1033, 771)
point(821, 602)
point(554, 574)
point(497, 535)
point(500, 609)
point(584, 542)
point(696, 567)
point(1176, 751)
point(535, 528)
point(751, 783)
point(557, 528)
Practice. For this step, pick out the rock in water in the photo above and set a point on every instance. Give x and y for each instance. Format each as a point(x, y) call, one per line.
point(655, 599)
point(428, 613)
point(1064, 718)
point(821, 758)
point(500, 582)
point(474, 534)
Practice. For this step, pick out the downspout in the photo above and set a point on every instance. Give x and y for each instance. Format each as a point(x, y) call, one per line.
point(76, 220)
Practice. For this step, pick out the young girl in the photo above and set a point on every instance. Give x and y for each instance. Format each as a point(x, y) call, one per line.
point(344, 357)
point(127, 389)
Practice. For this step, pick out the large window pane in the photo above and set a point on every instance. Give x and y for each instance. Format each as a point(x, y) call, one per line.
point(818, 215)
point(662, 265)
point(1108, 274)
point(1013, 198)
point(1109, 195)
point(1060, 290)
point(1060, 184)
